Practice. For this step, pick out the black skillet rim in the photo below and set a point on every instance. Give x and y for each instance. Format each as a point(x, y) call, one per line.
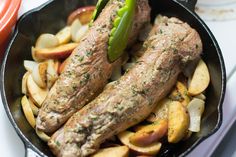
point(223, 75)
point(30, 145)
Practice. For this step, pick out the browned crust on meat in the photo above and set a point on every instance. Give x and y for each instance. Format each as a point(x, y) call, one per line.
point(87, 70)
point(171, 44)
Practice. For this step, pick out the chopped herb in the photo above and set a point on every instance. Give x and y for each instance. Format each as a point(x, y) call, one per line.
point(145, 45)
point(94, 118)
point(74, 87)
point(85, 79)
point(164, 50)
point(81, 58)
point(117, 82)
point(121, 108)
point(135, 120)
point(104, 26)
point(197, 46)
point(58, 143)
point(176, 97)
point(89, 53)
point(160, 31)
point(69, 73)
point(87, 76)
point(134, 90)
point(175, 50)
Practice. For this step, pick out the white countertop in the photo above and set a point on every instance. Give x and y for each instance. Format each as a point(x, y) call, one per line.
point(224, 31)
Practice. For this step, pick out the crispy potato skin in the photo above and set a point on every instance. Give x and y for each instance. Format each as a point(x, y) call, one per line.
point(180, 93)
point(178, 122)
point(161, 111)
point(200, 79)
point(150, 133)
point(132, 98)
point(151, 149)
point(120, 151)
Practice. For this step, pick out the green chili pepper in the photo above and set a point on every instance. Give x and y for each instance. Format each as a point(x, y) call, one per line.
point(121, 29)
point(100, 5)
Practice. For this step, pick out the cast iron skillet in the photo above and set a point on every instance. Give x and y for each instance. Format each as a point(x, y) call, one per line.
point(51, 16)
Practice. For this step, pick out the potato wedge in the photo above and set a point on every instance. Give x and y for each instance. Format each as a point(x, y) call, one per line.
point(178, 121)
point(195, 108)
point(28, 111)
point(46, 41)
point(200, 96)
point(200, 79)
point(138, 127)
point(24, 83)
point(37, 94)
point(160, 112)
point(150, 133)
point(39, 74)
point(79, 34)
point(151, 149)
point(64, 35)
point(75, 27)
point(180, 93)
point(34, 56)
point(52, 73)
point(29, 65)
point(42, 135)
point(84, 14)
point(120, 151)
point(60, 52)
point(34, 108)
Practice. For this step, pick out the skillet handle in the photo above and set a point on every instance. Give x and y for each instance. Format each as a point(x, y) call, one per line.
point(190, 4)
point(29, 152)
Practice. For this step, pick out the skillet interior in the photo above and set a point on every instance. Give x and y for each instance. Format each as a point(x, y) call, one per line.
point(50, 18)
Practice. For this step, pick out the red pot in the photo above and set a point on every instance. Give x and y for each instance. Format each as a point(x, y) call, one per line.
point(8, 16)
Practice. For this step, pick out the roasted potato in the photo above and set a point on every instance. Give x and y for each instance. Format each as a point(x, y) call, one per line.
point(52, 73)
point(34, 108)
point(178, 121)
point(200, 79)
point(24, 83)
point(150, 133)
point(37, 94)
point(46, 41)
point(200, 96)
point(120, 151)
point(28, 111)
point(75, 27)
point(138, 127)
point(151, 149)
point(42, 135)
point(84, 14)
point(59, 52)
point(160, 112)
point(79, 34)
point(29, 65)
point(64, 35)
point(180, 93)
point(39, 74)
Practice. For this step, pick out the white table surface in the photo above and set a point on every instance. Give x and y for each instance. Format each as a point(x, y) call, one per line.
point(224, 31)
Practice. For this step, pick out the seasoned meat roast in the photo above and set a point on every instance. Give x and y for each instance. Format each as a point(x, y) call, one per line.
point(88, 68)
point(171, 45)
